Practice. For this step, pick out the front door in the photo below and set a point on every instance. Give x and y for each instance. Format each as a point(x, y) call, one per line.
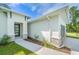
point(17, 30)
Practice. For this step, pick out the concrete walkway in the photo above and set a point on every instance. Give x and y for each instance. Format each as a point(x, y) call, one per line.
point(40, 50)
point(74, 52)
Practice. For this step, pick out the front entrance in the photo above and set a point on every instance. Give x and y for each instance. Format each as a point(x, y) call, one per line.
point(17, 30)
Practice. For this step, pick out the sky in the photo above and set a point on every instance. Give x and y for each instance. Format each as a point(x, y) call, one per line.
point(34, 10)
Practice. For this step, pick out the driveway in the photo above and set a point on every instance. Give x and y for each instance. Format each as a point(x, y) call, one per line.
point(40, 50)
point(73, 44)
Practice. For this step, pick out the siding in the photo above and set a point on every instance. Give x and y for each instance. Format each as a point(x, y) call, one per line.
point(18, 18)
point(42, 28)
point(3, 24)
point(46, 29)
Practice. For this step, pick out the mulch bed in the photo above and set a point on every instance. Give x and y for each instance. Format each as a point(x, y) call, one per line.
point(34, 41)
point(63, 49)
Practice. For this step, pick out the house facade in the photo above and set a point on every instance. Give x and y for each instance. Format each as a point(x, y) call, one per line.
point(12, 23)
point(50, 27)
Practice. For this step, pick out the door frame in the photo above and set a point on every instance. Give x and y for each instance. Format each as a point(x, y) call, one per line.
point(19, 34)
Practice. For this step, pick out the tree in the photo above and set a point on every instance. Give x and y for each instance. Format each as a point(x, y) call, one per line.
point(74, 14)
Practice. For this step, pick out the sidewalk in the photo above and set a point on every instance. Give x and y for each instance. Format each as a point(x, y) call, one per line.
point(40, 50)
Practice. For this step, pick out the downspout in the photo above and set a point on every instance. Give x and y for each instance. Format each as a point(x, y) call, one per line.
point(68, 17)
point(67, 13)
point(49, 27)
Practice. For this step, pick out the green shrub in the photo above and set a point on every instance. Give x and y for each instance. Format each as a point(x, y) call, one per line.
point(71, 28)
point(5, 40)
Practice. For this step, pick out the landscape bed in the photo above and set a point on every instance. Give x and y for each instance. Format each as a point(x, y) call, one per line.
point(48, 45)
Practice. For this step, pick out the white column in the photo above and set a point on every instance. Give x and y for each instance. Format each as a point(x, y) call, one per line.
point(25, 29)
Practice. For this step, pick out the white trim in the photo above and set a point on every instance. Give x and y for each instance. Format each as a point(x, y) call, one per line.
point(13, 11)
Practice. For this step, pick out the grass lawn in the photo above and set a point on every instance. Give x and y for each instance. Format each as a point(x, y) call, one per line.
point(14, 49)
point(72, 35)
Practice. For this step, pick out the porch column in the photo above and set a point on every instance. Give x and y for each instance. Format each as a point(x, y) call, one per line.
point(25, 29)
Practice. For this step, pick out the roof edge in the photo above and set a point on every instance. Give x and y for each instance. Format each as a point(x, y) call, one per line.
point(14, 11)
point(33, 20)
